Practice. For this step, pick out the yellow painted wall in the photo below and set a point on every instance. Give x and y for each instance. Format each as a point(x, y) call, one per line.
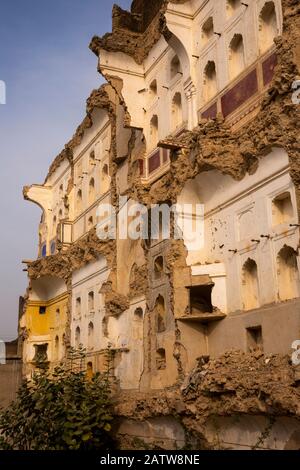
point(49, 324)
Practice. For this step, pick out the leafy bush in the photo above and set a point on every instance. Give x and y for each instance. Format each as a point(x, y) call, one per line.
point(64, 410)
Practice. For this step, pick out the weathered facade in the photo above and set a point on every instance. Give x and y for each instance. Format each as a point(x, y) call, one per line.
point(197, 109)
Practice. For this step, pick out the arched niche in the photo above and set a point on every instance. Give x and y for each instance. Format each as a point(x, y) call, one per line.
point(288, 274)
point(236, 62)
point(209, 81)
point(77, 337)
point(267, 29)
point(91, 336)
point(177, 115)
point(250, 286)
point(160, 314)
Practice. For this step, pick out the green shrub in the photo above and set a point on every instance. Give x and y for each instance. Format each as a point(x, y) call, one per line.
point(64, 410)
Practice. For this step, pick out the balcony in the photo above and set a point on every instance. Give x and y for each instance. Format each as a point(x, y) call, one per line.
point(201, 309)
point(203, 317)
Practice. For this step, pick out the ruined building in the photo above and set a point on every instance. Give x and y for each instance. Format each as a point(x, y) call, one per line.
point(197, 109)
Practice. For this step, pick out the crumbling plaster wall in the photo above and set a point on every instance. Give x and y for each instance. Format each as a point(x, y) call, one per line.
point(91, 164)
point(74, 261)
point(210, 146)
point(236, 214)
point(239, 400)
point(86, 280)
point(88, 249)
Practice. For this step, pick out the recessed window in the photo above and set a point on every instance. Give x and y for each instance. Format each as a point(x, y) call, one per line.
point(200, 299)
point(154, 131)
point(40, 353)
point(161, 359)
point(138, 314)
point(91, 301)
point(44, 250)
point(42, 310)
point(53, 248)
point(153, 88)
point(176, 111)
point(91, 335)
point(254, 338)
point(79, 202)
point(232, 6)
point(105, 327)
point(137, 324)
point(207, 30)
point(92, 158)
point(160, 314)
point(288, 274)
point(105, 170)
point(64, 344)
point(77, 337)
point(57, 315)
point(56, 348)
point(250, 288)
point(236, 56)
point(209, 81)
point(282, 208)
point(175, 67)
point(78, 306)
point(92, 193)
point(158, 267)
point(90, 222)
point(267, 27)
point(61, 191)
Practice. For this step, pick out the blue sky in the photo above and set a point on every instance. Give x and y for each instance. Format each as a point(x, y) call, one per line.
point(49, 72)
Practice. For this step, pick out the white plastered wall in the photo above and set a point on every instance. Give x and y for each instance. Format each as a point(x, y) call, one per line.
point(85, 280)
point(237, 213)
point(186, 22)
point(96, 139)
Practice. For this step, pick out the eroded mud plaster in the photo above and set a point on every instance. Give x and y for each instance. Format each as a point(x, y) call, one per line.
point(139, 37)
point(214, 145)
point(236, 383)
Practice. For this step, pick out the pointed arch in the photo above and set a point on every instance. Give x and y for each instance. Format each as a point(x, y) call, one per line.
point(288, 274)
point(77, 337)
point(250, 286)
point(177, 115)
point(91, 335)
point(267, 29)
point(160, 314)
point(236, 56)
point(209, 81)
